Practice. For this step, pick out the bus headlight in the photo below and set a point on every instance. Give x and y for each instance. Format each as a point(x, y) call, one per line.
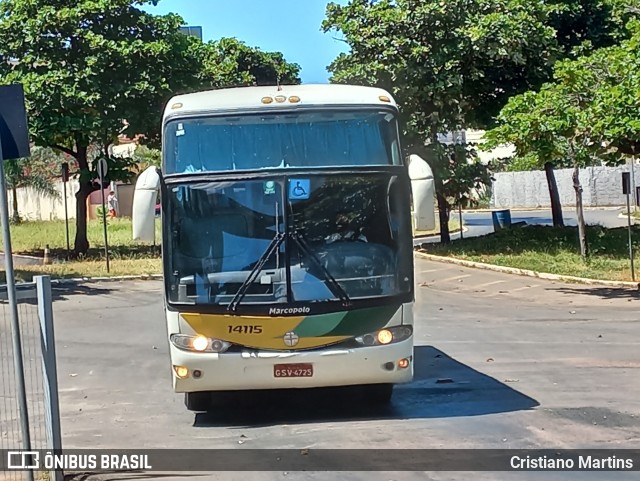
point(388, 335)
point(198, 343)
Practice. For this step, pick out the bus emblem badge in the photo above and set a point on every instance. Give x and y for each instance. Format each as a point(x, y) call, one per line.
point(291, 339)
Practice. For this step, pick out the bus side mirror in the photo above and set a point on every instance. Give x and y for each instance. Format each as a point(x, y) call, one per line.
point(144, 205)
point(423, 194)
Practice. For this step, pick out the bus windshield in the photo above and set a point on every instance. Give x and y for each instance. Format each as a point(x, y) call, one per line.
point(289, 239)
point(324, 138)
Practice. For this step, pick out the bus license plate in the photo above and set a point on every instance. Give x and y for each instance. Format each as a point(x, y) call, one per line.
point(293, 370)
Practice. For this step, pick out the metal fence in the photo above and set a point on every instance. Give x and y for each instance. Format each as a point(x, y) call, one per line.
point(40, 377)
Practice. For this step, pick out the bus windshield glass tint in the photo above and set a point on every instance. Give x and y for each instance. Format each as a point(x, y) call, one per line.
point(273, 141)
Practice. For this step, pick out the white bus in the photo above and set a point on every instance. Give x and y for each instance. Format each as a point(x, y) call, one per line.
point(287, 240)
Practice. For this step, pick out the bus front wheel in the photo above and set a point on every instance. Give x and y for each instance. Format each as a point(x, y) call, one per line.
point(197, 401)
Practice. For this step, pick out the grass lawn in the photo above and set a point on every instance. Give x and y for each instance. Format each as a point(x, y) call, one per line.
point(454, 226)
point(550, 249)
point(75, 269)
point(30, 238)
point(126, 256)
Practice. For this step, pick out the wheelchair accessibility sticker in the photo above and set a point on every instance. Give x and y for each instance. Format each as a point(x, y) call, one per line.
point(299, 189)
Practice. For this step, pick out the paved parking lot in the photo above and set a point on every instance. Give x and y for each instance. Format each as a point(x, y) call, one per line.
point(501, 362)
point(481, 283)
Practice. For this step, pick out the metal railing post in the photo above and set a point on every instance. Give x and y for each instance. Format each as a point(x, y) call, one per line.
point(49, 369)
point(15, 320)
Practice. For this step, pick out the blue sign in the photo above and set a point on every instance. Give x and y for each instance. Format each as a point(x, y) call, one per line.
point(299, 189)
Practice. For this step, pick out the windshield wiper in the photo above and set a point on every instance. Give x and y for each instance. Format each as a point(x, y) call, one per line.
point(253, 275)
point(333, 285)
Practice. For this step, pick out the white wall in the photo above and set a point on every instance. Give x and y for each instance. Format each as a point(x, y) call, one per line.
point(602, 187)
point(35, 206)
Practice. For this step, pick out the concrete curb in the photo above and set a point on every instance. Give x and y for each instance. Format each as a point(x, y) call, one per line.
point(86, 280)
point(534, 209)
point(528, 273)
point(433, 236)
point(21, 256)
point(623, 215)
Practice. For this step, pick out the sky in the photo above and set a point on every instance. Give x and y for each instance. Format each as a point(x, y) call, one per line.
point(288, 26)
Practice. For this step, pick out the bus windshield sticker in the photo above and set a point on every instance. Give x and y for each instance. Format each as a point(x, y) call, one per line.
point(269, 187)
point(299, 189)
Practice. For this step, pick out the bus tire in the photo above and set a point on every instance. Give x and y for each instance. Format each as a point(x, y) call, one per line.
point(197, 401)
point(380, 394)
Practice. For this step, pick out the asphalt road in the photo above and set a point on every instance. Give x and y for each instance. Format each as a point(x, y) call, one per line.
point(527, 363)
point(481, 223)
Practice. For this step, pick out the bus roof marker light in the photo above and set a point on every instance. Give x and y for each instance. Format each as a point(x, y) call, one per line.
point(267, 100)
point(177, 105)
point(384, 98)
point(294, 99)
point(280, 99)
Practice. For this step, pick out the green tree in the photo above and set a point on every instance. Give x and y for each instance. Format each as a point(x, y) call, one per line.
point(453, 65)
point(613, 78)
point(585, 117)
point(93, 69)
point(590, 114)
point(551, 124)
point(87, 66)
point(146, 157)
point(229, 62)
point(36, 172)
point(447, 63)
point(585, 25)
point(582, 27)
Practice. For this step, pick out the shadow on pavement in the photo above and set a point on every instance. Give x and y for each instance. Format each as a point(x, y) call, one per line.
point(442, 387)
point(58, 293)
point(602, 292)
point(125, 475)
point(64, 292)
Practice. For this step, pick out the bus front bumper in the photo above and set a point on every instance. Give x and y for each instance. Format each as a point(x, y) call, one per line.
point(252, 369)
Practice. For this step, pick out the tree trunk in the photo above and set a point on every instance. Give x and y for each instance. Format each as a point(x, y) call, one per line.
point(582, 230)
point(443, 214)
point(443, 205)
point(15, 217)
point(556, 206)
point(81, 243)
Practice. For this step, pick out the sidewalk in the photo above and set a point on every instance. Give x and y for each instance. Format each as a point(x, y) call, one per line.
point(19, 260)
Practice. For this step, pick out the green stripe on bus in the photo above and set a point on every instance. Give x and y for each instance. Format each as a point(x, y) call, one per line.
point(363, 321)
point(319, 326)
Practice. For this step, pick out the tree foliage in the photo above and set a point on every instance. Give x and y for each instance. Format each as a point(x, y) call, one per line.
point(87, 67)
point(146, 157)
point(93, 69)
point(229, 62)
point(449, 64)
point(589, 114)
point(453, 65)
